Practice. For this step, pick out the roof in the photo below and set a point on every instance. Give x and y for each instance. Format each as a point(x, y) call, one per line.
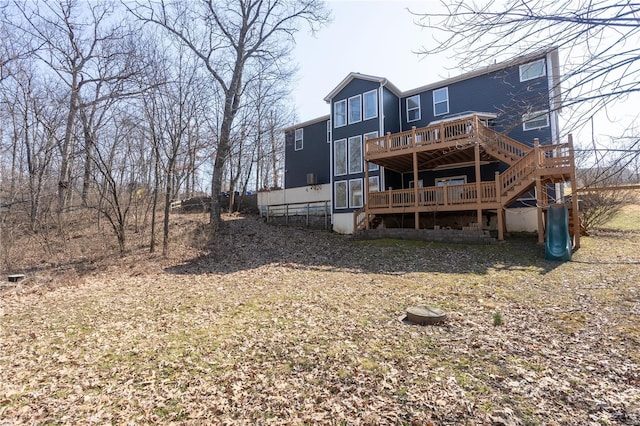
point(356, 75)
point(307, 123)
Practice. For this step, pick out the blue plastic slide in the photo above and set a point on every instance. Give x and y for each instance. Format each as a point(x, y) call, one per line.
point(558, 244)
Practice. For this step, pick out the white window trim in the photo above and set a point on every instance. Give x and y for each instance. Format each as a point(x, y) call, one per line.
point(349, 194)
point(364, 109)
point(372, 166)
point(346, 191)
point(359, 97)
point(329, 131)
point(335, 111)
point(446, 90)
point(346, 155)
point(534, 115)
point(530, 64)
point(352, 172)
point(296, 139)
point(419, 108)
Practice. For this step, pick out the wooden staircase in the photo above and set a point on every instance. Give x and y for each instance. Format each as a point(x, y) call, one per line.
point(502, 147)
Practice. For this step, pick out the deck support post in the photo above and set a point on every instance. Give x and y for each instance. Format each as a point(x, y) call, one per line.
point(366, 192)
point(539, 208)
point(574, 197)
point(539, 192)
point(500, 209)
point(476, 150)
point(416, 217)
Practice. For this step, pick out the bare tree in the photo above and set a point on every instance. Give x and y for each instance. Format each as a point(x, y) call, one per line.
point(227, 36)
point(85, 47)
point(598, 39)
point(115, 172)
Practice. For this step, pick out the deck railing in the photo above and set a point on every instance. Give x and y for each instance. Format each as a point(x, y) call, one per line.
point(518, 172)
point(457, 130)
point(502, 144)
point(555, 156)
point(434, 196)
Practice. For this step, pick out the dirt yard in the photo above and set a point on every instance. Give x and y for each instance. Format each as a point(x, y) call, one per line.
point(273, 325)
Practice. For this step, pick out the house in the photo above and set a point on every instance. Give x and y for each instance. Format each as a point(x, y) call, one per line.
point(478, 151)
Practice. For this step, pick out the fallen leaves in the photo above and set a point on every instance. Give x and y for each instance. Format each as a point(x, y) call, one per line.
point(303, 328)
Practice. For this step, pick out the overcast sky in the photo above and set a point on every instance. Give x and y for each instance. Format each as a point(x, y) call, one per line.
point(377, 38)
point(380, 38)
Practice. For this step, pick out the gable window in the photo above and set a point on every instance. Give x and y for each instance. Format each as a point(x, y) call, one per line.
point(370, 104)
point(355, 193)
point(413, 108)
point(340, 113)
point(355, 154)
point(441, 101)
point(340, 157)
point(329, 131)
point(299, 139)
point(340, 189)
point(535, 120)
point(355, 109)
point(371, 135)
point(532, 70)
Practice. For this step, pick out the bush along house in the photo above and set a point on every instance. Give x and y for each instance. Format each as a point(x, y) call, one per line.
point(476, 152)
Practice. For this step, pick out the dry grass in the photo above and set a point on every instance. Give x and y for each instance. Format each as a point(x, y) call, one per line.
point(287, 326)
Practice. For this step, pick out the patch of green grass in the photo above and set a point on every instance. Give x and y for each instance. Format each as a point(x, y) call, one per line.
point(627, 219)
point(497, 318)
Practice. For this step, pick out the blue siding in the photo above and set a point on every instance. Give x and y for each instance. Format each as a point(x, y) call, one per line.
point(391, 110)
point(354, 87)
point(314, 157)
point(487, 173)
point(499, 92)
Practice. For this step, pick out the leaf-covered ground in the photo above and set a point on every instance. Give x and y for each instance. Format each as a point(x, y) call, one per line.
point(275, 325)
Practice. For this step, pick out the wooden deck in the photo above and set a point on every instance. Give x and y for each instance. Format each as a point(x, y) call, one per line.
point(465, 141)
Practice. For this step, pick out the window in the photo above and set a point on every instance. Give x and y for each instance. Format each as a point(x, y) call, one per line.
point(374, 183)
point(451, 180)
point(355, 154)
point(340, 113)
point(371, 135)
point(535, 120)
point(340, 157)
point(413, 108)
point(340, 189)
point(355, 109)
point(329, 131)
point(420, 183)
point(355, 193)
point(454, 194)
point(532, 70)
point(370, 104)
point(441, 101)
point(298, 139)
